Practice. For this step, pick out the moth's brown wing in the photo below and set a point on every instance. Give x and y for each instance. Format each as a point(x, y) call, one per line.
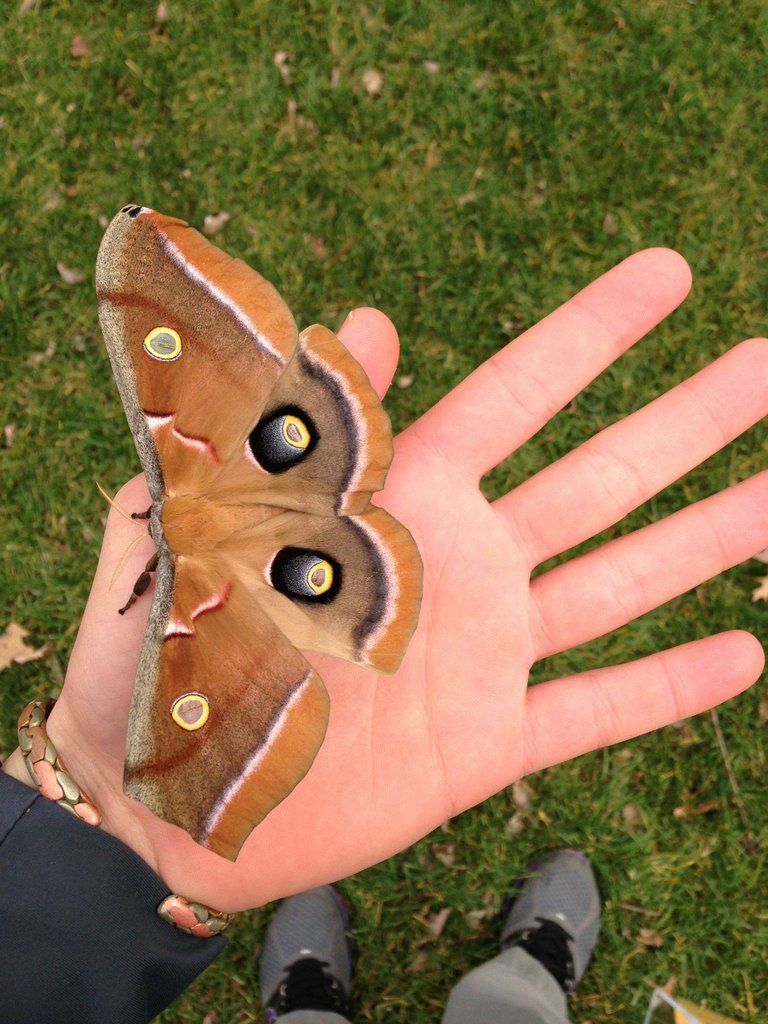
point(190, 410)
point(347, 585)
point(346, 449)
point(267, 709)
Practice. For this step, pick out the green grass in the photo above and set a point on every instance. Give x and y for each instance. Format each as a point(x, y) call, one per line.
point(466, 203)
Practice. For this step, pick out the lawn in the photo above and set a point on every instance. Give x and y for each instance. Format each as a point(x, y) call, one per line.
point(506, 155)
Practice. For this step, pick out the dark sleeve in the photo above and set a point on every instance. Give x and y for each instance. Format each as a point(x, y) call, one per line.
point(80, 939)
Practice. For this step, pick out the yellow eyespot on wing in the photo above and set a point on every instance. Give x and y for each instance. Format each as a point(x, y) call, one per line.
point(190, 711)
point(320, 577)
point(295, 432)
point(163, 343)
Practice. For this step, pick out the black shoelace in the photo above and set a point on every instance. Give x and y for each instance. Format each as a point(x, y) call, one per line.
point(308, 986)
point(549, 945)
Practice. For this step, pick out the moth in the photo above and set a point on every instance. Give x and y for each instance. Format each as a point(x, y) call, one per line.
point(261, 448)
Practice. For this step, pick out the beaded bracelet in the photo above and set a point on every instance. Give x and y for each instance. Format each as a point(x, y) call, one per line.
point(53, 781)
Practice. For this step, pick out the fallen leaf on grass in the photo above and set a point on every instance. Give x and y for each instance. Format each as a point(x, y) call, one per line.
point(445, 853)
point(211, 1017)
point(214, 222)
point(762, 710)
point(633, 908)
point(40, 357)
point(475, 918)
point(685, 811)
point(515, 825)
point(436, 922)
point(418, 963)
point(760, 593)
point(431, 67)
point(319, 248)
point(162, 14)
point(521, 794)
point(9, 431)
point(631, 815)
point(373, 81)
point(610, 224)
point(648, 937)
point(28, 5)
point(14, 650)
point(79, 47)
point(282, 60)
point(68, 275)
point(404, 380)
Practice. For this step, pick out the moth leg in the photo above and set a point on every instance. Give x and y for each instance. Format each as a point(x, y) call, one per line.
point(142, 515)
point(141, 584)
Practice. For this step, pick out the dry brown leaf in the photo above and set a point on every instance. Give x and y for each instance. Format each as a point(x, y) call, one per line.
point(431, 67)
point(28, 5)
point(318, 247)
point(13, 649)
point(40, 357)
point(9, 432)
point(211, 1017)
point(335, 77)
point(522, 794)
point(633, 908)
point(648, 937)
point(162, 14)
point(762, 710)
point(419, 962)
point(610, 224)
point(373, 81)
point(475, 918)
point(631, 815)
point(79, 47)
point(436, 922)
point(685, 811)
point(68, 275)
point(214, 222)
point(445, 853)
point(760, 593)
point(282, 60)
point(515, 825)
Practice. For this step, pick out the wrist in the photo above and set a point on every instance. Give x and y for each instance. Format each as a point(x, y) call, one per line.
point(15, 767)
point(101, 780)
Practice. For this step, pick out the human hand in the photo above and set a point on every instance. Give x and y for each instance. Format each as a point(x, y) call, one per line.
point(458, 722)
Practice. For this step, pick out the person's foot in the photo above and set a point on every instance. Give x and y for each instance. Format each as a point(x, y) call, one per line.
point(307, 959)
point(555, 916)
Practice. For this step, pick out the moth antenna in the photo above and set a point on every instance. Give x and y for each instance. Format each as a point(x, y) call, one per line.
point(112, 502)
point(124, 559)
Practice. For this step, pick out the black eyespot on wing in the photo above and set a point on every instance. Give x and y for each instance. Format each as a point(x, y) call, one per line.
point(306, 575)
point(282, 439)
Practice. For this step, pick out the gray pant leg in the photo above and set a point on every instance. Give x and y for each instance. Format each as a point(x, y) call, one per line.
point(513, 988)
point(312, 1017)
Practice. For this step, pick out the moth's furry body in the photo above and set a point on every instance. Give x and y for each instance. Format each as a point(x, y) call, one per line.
point(207, 360)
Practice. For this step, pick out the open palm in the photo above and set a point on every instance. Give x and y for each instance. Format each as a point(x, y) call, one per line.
point(458, 721)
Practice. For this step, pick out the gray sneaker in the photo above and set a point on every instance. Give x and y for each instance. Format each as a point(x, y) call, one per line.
point(308, 956)
point(555, 915)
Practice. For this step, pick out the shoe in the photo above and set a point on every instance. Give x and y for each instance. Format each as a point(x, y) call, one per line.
point(308, 957)
point(555, 916)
